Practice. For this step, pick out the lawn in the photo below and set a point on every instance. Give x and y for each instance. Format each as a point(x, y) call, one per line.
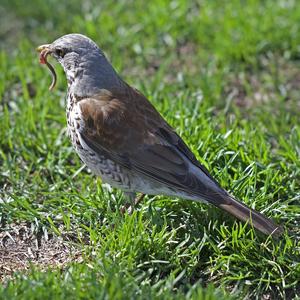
point(226, 75)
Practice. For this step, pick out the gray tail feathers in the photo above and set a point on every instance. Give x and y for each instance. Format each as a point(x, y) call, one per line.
point(244, 213)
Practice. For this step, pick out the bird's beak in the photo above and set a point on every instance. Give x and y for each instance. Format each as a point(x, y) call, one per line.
point(43, 47)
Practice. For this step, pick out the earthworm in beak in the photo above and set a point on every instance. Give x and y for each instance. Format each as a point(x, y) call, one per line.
point(44, 52)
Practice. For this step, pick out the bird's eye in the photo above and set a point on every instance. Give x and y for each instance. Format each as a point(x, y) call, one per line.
point(60, 52)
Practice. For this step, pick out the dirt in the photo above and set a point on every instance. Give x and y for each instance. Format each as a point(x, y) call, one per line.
point(21, 246)
point(275, 82)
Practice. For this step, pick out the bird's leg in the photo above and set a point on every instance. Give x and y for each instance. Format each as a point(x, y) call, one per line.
point(138, 199)
point(134, 201)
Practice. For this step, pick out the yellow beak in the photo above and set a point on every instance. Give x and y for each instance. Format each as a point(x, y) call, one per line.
point(42, 47)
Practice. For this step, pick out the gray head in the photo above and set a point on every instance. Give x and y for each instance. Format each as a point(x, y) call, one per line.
point(84, 63)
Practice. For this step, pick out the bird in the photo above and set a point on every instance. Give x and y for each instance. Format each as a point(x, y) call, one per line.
point(121, 137)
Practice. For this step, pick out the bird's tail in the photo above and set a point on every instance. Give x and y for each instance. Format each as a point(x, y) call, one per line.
point(244, 213)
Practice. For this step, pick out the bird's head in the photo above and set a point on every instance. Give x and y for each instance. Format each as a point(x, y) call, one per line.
point(81, 59)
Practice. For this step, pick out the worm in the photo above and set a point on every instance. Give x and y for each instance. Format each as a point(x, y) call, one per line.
point(43, 60)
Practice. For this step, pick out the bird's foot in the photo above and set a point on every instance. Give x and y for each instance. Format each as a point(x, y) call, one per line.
point(129, 207)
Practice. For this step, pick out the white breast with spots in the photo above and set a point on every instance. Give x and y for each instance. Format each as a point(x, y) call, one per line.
point(108, 170)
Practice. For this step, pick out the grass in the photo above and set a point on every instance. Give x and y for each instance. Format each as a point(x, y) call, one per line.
point(226, 75)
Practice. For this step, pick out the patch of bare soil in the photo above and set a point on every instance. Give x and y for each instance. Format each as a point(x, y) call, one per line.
point(275, 80)
point(21, 246)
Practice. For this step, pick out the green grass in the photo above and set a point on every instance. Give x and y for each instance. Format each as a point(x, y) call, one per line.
point(226, 75)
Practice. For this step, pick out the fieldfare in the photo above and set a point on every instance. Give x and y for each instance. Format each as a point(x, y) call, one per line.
point(123, 139)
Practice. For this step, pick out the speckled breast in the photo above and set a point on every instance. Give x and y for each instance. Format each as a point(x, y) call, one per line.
point(100, 165)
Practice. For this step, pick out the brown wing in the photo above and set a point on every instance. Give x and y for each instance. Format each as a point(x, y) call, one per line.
point(132, 133)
